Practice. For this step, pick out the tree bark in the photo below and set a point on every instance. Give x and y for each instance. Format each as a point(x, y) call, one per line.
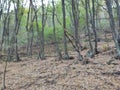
point(64, 28)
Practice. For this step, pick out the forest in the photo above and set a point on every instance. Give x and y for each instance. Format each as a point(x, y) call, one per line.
point(59, 44)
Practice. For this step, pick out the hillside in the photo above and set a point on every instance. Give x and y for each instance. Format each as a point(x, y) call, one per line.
point(52, 74)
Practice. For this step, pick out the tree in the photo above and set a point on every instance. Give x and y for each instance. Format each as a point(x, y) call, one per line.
point(41, 53)
point(114, 31)
point(54, 32)
point(29, 28)
point(118, 12)
point(5, 43)
point(64, 28)
point(91, 54)
point(75, 12)
point(93, 26)
point(18, 16)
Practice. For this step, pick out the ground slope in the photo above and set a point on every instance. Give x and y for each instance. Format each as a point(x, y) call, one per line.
point(51, 74)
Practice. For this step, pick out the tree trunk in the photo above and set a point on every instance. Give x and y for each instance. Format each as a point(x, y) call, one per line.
point(113, 29)
point(54, 32)
point(4, 76)
point(64, 28)
point(89, 34)
point(41, 53)
point(93, 26)
point(75, 12)
point(118, 12)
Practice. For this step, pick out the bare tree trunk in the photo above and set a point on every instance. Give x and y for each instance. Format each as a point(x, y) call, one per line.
point(29, 28)
point(64, 28)
point(4, 76)
point(54, 32)
point(75, 13)
point(5, 43)
point(115, 35)
point(18, 17)
point(91, 51)
point(41, 53)
point(37, 27)
point(118, 12)
point(93, 26)
point(1, 8)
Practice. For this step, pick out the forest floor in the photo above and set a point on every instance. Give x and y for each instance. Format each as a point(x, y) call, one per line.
point(52, 74)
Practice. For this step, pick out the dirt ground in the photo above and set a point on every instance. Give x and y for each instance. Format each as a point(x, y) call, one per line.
point(51, 74)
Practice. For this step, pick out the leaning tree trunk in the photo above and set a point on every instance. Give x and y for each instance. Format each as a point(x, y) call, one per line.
point(118, 12)
point(115, 35)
